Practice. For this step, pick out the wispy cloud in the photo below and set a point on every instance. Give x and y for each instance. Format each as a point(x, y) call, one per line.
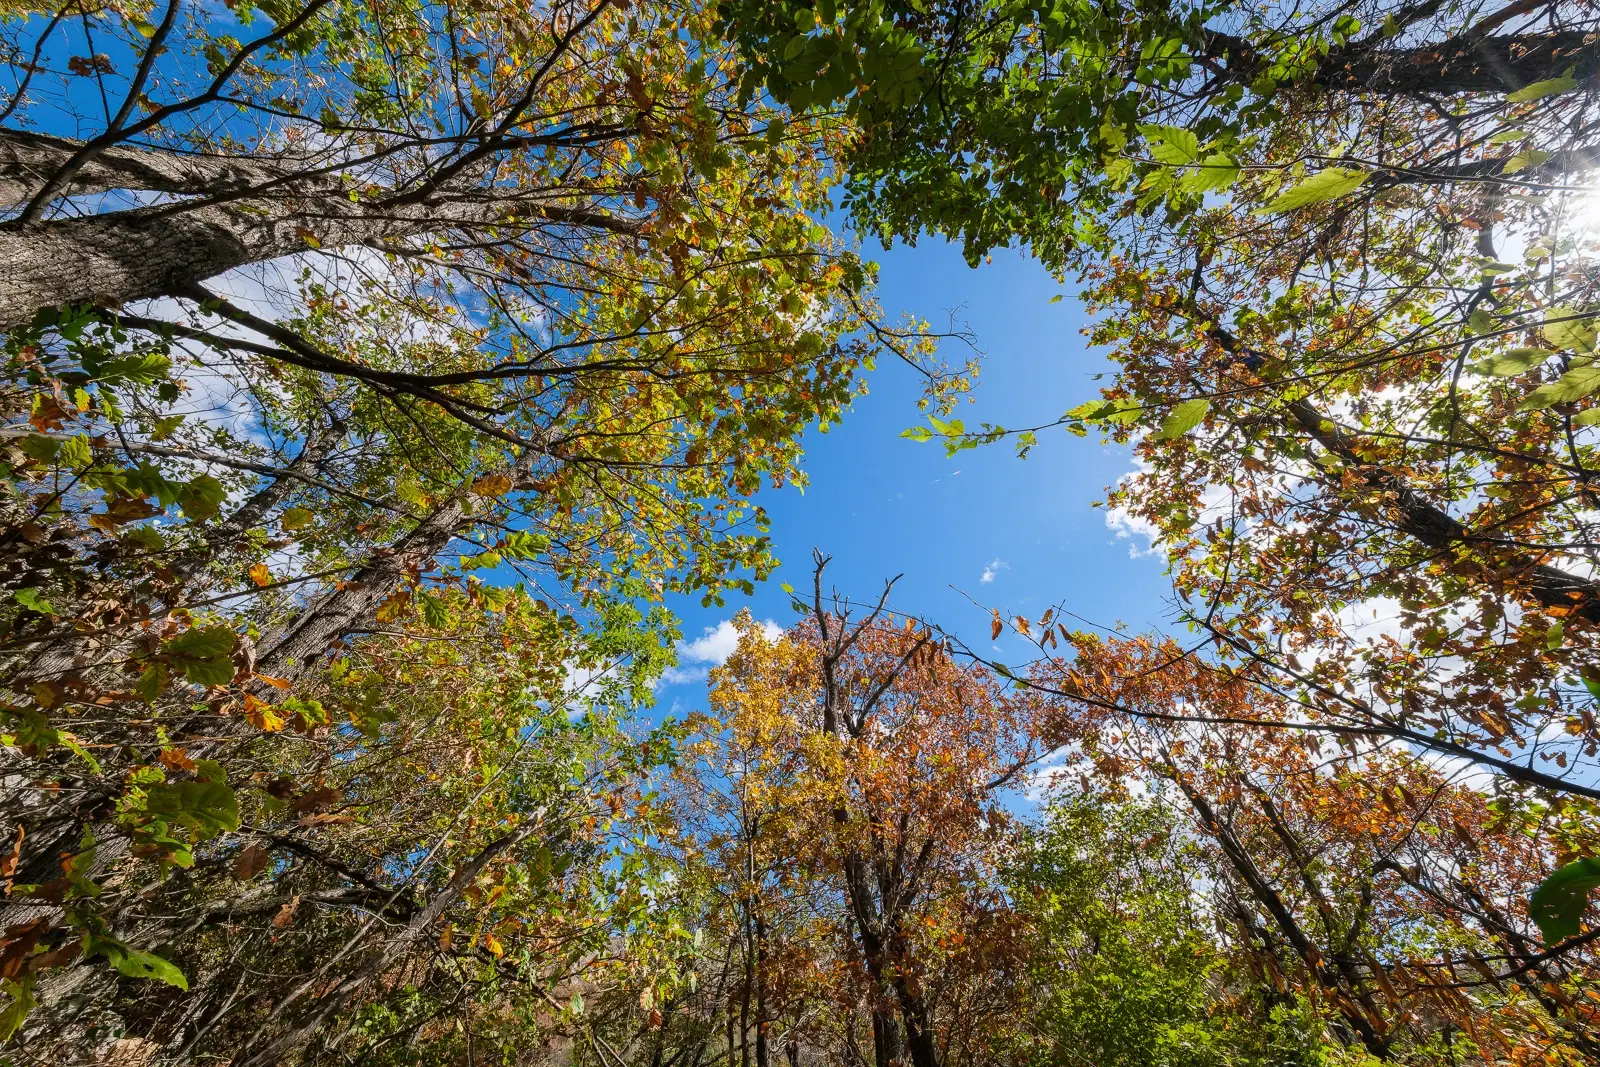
point(711, 649)
point(995, 566)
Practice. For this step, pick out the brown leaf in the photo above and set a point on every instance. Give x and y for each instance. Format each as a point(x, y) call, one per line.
point(56, 957)
point(48, 415)
point(19, 941)
point(326, 819)
point(996, 626)
point(8, 866)
point(318, 799)
point(51, 892)
point(251, 862)
point(176, 759)
point(285, 914)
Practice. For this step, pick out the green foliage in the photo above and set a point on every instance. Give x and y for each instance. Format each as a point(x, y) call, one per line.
point(1127, 972)
point(1558, 903)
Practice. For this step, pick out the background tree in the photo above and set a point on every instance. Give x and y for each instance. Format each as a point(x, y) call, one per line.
point(1124, 965)
point(1389, 895)
point(853, 820)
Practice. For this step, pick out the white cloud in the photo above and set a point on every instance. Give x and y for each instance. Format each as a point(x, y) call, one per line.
point(711, 649)
point(995, 566)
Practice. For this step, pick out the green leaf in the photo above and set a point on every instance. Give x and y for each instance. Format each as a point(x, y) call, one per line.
point(523, 544)
point(1172, 144)
point(1587, 418)
point(164, 428)
point(201, 497)
point(1324, 185)
point(1558, 902)
point(1573, 385)
point(1566, 328)
point(40, 448)
point(207, 808)
point(1522, 160)
point(1554, 636)
point(30, 599)
point(131, 963)
point(1508, 137)
point(434, 613)
point(1480, 322)
point(1516, 361)
point(1185, 417)
point(76, 453)
point(22, 1002)
point(204, 653)
point(141, 368)
point(917, 433)
point(296, 518)
point(1214, 173)
point(1540, 90)
point(1056, 299)
point(1118, 411)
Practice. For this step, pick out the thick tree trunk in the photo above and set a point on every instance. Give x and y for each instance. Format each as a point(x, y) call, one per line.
point(28, 159)
point(114, 259)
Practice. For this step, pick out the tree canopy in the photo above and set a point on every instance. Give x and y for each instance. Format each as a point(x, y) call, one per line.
point(375, 372)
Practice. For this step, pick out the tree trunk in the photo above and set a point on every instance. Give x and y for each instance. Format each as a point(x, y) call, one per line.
point(114, 259)
point(28, 159)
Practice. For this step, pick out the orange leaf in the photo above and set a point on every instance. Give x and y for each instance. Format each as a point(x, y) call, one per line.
point(261, 715)
point(260, 575)
point(286, 913)
point(996, 626)
point(176, 759)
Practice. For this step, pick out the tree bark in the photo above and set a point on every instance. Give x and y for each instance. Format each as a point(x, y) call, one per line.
point(27, 159)
point(1461, 64)
point(114, 259)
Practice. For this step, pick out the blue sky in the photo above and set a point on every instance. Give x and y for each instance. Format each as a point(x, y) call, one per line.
point(882, 506)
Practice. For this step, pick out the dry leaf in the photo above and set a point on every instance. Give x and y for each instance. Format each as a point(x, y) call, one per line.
point(8, 866)
point(251, 862)
point(176, 759)
point(285, 914)
point(325, 819)
point(318, 799)
point(57, 957)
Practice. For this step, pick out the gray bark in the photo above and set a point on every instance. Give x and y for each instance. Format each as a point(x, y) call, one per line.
point(27, 159)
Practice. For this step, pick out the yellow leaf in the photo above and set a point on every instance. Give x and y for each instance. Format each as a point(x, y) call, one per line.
point(492, 485)
point(493, 944)
point(260, 575)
